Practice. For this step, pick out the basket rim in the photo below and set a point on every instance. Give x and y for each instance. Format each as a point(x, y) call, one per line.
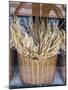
point(37, 60)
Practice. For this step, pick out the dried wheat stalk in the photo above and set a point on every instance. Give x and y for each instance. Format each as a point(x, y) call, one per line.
point(42, 43)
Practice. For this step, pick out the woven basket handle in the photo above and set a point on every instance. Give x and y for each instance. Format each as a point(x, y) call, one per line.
point(45, 9)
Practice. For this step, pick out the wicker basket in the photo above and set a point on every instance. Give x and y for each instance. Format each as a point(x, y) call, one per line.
point(37, 71)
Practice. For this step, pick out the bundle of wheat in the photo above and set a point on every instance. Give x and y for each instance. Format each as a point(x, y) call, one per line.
point(43, 42)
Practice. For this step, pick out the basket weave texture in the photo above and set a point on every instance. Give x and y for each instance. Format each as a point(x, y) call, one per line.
point(37, 71)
